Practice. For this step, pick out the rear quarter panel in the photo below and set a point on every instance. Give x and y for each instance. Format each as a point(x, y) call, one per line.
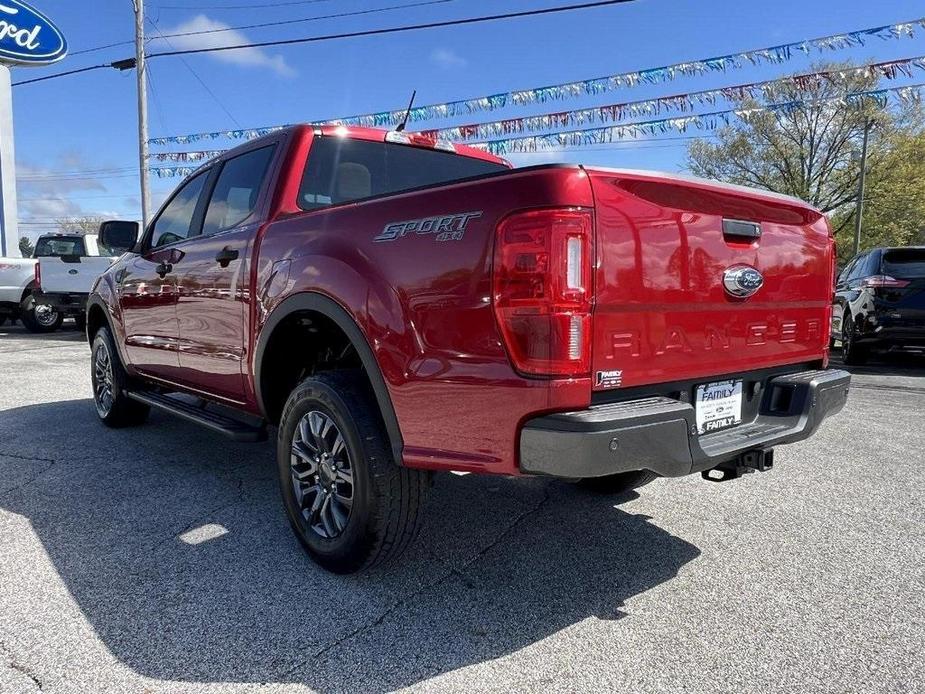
point(425, 308)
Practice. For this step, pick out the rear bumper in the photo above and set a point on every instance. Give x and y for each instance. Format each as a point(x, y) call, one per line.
point(67, 303)
point(659, 433)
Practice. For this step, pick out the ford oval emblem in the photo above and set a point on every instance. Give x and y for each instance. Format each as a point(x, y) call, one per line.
point(28, 37)
point(741, 281)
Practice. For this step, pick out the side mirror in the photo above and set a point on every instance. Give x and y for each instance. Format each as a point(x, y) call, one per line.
point(118, 236)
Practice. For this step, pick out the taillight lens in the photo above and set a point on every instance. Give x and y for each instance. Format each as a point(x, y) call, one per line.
point(542, 290)
point(38, 276)
point(878, 281)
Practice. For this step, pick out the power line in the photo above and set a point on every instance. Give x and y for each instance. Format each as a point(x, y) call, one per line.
point(395, 30)
point(282, 22)
point(262, 25)
point(129, 63)
point(196, 75)
point(63, 74)
point(240, 7)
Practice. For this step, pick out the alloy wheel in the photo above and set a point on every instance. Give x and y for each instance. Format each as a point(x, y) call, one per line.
point(322, 475)
point(102, 379)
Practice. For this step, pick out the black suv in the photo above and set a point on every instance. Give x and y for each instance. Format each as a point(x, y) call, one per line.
point(880, 303)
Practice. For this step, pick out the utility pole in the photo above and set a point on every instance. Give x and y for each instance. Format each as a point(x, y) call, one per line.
point(140, 71)
point(859, 212)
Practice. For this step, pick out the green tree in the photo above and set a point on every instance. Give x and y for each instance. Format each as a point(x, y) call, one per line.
point(26, 247)
point(811, 150)
point(894, 199)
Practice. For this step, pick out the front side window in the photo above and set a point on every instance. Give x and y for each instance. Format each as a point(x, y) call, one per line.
point(340, 170)
point(175, 223)
point(857, 270)
point(237, 189)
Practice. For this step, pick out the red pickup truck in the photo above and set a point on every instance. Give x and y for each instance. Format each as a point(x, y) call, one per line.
point(395, 305)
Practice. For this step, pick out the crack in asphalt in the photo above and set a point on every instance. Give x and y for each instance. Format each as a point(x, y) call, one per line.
point(451, 572)
point(893, 388)
point(36, 349)
point(18, 667)
point(22, 485)
point(31, 458)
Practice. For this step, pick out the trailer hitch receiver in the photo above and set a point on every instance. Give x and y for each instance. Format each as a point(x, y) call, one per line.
point(750, 461)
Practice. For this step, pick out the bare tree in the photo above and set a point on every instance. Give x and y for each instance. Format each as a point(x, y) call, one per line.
point(79, 225)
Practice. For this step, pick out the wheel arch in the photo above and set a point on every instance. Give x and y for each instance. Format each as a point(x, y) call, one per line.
point(313, 302)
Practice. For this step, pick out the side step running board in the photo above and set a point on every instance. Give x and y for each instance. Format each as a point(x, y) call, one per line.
point(233, 428)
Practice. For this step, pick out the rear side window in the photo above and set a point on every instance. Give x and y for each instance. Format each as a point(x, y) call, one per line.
point(340, 170)
point(234, 197)
point(59, 247)
point(905, 263)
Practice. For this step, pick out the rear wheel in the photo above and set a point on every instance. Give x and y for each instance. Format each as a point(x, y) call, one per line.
point(110, 383)
point(350, 505)
point(619, 483)
point(852, 353)
point(41, 318)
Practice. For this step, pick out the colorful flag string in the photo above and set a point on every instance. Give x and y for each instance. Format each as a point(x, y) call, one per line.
point(613, 113)
point(599, 85)
point(630, 131)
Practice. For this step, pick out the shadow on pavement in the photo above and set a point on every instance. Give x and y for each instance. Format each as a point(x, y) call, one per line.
point(173, 544)
point(68, 332)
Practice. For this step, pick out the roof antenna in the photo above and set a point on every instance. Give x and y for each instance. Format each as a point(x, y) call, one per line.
point(404, 121)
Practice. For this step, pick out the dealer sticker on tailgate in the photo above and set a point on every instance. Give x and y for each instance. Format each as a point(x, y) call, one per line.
point(719, 405)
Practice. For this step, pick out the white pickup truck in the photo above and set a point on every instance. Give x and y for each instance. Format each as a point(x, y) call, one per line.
point(41, 291)
point(17, 280)
point(67, 268)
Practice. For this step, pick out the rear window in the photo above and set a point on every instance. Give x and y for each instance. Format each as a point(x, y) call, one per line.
point(58, 247)
point(907, 263)
point(341, 170)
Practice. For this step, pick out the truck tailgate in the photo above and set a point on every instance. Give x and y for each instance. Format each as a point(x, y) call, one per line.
point(661, 310)
point(72, 275)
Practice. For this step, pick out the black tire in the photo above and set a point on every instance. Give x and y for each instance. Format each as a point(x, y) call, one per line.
point(386, 499)
point(619, 483)
point(41, 318)
point(118, 410)
point(852, 353)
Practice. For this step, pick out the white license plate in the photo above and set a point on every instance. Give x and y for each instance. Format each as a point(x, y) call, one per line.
point(718, 406)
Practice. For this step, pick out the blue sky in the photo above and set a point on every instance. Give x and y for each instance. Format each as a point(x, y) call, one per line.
point(76, 136)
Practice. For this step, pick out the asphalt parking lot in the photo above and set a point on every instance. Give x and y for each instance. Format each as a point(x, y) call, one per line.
point(159, 560)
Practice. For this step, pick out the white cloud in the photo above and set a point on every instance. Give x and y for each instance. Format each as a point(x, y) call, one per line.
point(58, 189)
point(447, 59)
point(254, 57)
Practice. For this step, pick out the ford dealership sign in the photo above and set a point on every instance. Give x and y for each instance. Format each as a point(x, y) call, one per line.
point(27, 37)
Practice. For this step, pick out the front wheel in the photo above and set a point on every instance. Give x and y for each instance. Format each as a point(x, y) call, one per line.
point(41, 318)
point(114, 407)
point(349, 503)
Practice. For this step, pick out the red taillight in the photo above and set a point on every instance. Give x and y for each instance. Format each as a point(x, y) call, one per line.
point(878, 281)
point(38, 276)
point(542, 290)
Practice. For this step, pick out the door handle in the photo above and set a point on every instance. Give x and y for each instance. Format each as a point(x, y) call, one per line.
point(225, 256)
point(163, 268)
